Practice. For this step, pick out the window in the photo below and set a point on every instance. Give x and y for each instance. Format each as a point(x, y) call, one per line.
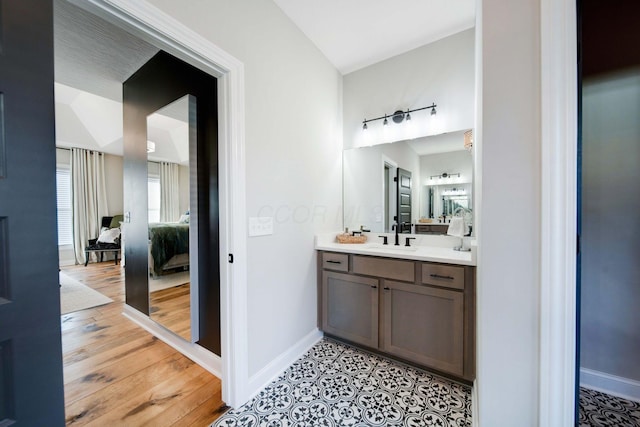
point(65, 216)
point(154, 198)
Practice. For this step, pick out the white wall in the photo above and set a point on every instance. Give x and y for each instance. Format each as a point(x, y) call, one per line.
point(363, 183)
point(115, 186)
point(454, 162)
point(610, 295)
point(440, 72)
point(508, 279)
point(293, 155)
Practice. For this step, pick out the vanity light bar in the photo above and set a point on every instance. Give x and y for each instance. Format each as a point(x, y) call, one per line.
point(399, 116)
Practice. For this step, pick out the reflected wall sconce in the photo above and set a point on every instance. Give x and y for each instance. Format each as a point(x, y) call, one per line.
point(455, 192)
point(399, 116)
point(445, 175)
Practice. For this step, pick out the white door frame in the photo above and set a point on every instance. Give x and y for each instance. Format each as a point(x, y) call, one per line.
point(559, 133)
point(152, 25)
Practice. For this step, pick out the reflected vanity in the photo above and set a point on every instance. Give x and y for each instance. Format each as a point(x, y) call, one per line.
point(171, 145)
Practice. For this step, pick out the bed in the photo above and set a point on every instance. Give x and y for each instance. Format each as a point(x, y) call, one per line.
point(168, 247)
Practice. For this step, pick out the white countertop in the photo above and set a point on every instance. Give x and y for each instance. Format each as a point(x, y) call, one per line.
point(423, 248)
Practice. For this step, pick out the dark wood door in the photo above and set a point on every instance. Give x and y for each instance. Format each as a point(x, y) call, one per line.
point(31, 386)
point(403, 181)
point(159, 82)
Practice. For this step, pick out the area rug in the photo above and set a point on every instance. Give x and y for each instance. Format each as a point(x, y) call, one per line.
point(75, 296)
point(168, 281)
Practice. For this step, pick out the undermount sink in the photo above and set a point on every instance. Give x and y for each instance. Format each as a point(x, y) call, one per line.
point(392, 247)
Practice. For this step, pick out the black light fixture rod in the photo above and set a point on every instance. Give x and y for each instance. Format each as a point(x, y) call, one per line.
point(432, 106)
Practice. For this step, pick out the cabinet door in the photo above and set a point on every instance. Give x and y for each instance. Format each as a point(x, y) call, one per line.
point(424, 325)
point(350, 307)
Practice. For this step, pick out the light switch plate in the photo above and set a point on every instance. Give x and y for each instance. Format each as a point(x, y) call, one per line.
point(260, 226)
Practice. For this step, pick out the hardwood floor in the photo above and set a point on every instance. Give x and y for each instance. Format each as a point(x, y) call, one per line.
point(117, 374)
point(171, 308)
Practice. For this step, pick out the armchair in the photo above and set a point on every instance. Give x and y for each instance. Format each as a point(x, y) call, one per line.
point(99, 247)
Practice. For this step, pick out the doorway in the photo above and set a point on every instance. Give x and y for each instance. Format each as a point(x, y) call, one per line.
point(170, 35)
point(390, 169)
point(607, 333)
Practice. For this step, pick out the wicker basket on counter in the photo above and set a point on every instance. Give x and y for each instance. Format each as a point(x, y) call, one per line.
point(348, 238)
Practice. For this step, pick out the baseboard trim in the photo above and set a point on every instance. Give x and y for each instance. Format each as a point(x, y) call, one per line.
point(277, 366)
point(610, 384)
point(203, 357)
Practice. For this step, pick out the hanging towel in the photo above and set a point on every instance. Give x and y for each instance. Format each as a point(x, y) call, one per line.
point(456, 227)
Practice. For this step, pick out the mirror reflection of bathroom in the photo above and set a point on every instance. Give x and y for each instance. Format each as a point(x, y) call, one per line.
point(170, 139)
point(442, 173)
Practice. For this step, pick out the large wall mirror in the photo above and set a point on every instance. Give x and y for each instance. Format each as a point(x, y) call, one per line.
point(425, 180)
point(171, 154)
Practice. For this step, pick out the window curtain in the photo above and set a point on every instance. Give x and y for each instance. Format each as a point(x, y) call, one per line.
point(169, 192)
point(89, 198)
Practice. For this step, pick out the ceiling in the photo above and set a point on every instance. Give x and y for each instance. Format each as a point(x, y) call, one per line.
point(354, 34)
point(443, 143)
point(93, 55)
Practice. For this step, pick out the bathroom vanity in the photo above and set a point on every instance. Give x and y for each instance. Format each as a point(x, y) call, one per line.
point(431, 228)
point(416, 304)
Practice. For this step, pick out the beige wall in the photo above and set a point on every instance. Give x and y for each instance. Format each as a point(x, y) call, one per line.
point(115, 186)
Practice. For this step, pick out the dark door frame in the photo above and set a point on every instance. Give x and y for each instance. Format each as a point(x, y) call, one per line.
point(159, 82)
point(31, 376)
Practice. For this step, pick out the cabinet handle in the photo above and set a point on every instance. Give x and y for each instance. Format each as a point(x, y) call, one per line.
point(437, 276)
point(334, 262)
point(386, 288)
point(374, 287)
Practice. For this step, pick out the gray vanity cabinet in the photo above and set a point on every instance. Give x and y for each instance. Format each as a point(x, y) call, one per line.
point(421, 312)
point(350, 307)
point(423, 324)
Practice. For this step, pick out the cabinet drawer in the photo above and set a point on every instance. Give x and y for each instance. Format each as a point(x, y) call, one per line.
point(333, 261)
point(383, 267)
point(447, 276)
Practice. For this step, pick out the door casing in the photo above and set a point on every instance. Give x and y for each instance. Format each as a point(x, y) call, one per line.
point(150, 24)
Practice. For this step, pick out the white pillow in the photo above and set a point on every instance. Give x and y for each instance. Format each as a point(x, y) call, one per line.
point(109, 236)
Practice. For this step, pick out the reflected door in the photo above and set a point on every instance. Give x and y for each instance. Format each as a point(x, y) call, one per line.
point(403, 181)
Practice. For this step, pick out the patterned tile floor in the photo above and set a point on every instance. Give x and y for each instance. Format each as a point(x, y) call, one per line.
point(334, 384)
point(602, 410)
